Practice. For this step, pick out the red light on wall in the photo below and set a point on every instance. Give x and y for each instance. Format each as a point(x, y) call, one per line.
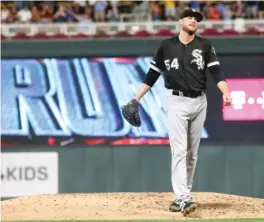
point(51, 141)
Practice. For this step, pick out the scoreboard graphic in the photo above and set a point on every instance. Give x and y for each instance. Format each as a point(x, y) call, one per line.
point(247, 100)
point(76, 101)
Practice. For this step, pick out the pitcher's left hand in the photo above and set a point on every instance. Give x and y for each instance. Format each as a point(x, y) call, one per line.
point(227, 99)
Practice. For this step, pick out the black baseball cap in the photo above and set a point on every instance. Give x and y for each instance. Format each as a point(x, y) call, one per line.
point(192, 13)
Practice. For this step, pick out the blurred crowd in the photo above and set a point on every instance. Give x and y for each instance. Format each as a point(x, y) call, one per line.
point(114, 11)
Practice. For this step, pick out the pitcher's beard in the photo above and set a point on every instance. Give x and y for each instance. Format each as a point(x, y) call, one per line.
point(190, 32)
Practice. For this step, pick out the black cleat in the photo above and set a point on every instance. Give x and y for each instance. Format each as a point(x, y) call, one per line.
point(174, 207)
point(188, 207)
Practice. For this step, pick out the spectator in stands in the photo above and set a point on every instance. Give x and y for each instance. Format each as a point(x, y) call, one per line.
point(19, 4)
point(64, 13)
point(81, 3)
point(60, 15)
point(195, 5)
point(180, 8)
point(125, 7)
point(113, 15)
point(99, 10)
point(261, 10)
point(251, 9)
point(239, 9)
point(25, 14)
point(221, 7)
point(206, 10)
point(79, 7)
point(114, 4)
point(46, 13)
point(227, 13)
point(12, 17)
point(155, 11)
point(70, 13)
point(214, 13)
point(35, 14)
point(141, 11)
point(87, 17)
point(5, 12)
point(170, 10)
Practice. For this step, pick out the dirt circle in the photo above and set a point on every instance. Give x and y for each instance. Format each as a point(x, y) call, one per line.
point(126, 206)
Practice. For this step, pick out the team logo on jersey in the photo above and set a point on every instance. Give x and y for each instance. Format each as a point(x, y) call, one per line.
point(198, 58)
point(213, 50)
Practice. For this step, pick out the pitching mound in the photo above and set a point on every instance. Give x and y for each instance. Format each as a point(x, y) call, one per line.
point(124, 206)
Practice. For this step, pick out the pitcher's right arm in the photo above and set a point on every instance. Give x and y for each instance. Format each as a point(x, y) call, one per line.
point(155, 69)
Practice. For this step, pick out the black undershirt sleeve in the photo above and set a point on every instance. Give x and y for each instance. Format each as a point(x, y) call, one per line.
point(156, 67)
point(151, 77)
point(213, 64)
point(216, 73)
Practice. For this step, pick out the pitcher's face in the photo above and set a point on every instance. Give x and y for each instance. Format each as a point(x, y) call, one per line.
point(189, 25)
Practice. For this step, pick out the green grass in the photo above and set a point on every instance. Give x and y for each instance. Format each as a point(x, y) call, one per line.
point(198, 220)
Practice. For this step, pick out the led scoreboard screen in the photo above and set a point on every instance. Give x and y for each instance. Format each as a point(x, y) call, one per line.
point(247, 100)
point(76, 101)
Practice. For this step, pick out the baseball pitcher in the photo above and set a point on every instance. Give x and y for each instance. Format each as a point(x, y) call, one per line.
point(183, 59)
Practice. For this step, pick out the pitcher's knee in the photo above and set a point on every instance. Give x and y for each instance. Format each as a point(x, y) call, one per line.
point(192, 159)
point(180, 154)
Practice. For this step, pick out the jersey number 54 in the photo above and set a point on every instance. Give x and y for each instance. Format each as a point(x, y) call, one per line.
point(171, 65)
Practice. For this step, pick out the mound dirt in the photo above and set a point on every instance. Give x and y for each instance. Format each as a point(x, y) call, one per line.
point(126, 206)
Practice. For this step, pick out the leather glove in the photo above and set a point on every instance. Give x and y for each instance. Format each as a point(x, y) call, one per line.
point(131, 113)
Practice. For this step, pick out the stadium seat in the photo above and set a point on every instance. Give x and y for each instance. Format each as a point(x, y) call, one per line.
point(41, 35)
point(59, 36)
point(3, 37)
point(210, 32)
point(229, 32)
point(79, 35)
point(20, 36)
point(123, 34)
point(164, 32)
point(101, 35)
point(252, 31)
point(142, 33)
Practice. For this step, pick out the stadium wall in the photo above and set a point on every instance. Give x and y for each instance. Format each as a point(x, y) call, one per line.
point(236, 169)
point(117, 47)
point(225, 169)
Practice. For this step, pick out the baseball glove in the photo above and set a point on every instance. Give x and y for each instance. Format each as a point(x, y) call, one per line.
point(131, 113)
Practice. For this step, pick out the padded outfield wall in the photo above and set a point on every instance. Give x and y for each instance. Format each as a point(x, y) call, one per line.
point(231, 154)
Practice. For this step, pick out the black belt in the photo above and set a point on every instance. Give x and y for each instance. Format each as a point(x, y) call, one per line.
point(187, 94)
